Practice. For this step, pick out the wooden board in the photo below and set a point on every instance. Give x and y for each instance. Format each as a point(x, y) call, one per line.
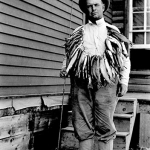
point(30, 81)
point(29, 71)
point(33, 90)
point(13, 125)
point(144, 137)
point(11, 60)
point(19, 142)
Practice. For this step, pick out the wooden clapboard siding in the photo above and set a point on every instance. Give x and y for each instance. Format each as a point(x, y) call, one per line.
point(32, 26)
point(108, 13)
point(29, 43)
point(32, 37)
point(16, 32)
point(119, 12)
point(32, 90)
point(28, 62)
point(29, 80)
point(30, 52)
point(36, 9)
point(26, 71)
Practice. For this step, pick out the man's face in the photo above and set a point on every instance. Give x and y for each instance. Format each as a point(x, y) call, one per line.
point(95, 9)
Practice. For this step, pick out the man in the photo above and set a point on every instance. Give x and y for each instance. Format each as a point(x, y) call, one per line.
point(99, 67)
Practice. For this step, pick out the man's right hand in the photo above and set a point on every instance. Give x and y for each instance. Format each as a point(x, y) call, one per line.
point(63, 73)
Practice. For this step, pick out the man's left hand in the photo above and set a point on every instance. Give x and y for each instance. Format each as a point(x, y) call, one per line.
point(122, 90)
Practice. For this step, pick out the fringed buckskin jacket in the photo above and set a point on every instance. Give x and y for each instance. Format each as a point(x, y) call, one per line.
point(102, 68)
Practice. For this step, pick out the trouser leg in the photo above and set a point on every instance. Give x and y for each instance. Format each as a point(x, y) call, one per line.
point(105, 104)
point(94, 117)
point(82, 114)
point(82, 117)
point(86, 144)
point(105, 146)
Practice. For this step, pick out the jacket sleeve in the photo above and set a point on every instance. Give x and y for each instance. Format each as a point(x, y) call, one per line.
point(125, 72)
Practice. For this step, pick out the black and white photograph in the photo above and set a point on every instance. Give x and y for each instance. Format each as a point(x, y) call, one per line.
point(74, 74)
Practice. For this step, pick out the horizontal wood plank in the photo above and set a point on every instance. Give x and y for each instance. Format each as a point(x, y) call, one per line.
point(124, 107)
point(28, 62)
point(17, 41)
point(34, 90)
point(139, 81)
point(142, 73)
point(30, 35)
point(32, 18)
point(31, 26)
point(64, 4)
point(30, 81)
point(118, 19)
point(28, 71)
point(13, 125)
point(118, 13)
point(139, 88)
point(56, 7)
point(31, 10)
point(144, 137)
point(32, 53)
point(20, 142)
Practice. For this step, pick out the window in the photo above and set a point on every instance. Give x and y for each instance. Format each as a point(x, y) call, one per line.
point(140, 23)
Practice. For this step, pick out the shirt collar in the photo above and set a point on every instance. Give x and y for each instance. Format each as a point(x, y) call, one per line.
point(98, 22)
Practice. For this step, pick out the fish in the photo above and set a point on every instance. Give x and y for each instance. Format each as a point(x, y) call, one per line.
point(108, 68)
point(109, 45)
point(115, 41)
point(104, 71)
point(71, 62)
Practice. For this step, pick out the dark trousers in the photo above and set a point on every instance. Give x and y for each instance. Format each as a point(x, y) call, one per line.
point(93, 112)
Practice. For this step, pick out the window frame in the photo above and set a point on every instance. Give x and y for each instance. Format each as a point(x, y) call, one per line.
point(145, 30)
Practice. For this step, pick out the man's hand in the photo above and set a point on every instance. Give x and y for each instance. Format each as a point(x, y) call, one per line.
point(121, 90)
point(63, 73)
